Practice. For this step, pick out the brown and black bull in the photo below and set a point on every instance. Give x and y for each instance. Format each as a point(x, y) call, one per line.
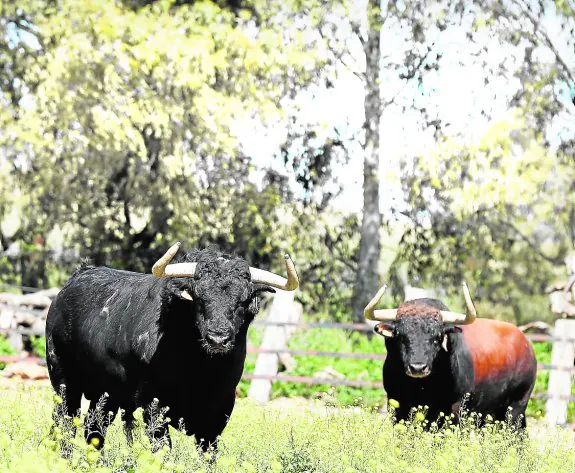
point(435, 357)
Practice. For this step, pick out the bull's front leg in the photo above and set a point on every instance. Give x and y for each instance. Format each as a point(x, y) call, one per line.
point(101, 414)
point(209, 425)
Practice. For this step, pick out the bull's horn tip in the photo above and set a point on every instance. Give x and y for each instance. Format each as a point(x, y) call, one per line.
point(286, 256)
point(178, 243)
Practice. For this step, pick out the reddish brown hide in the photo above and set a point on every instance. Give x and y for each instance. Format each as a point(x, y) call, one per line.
point(497, 348)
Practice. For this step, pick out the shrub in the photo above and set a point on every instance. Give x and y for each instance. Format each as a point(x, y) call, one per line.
point(354, 369)
point(38, 346)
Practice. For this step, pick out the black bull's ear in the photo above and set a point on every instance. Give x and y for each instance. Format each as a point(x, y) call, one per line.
point(180, 288)
point(262, 288)
point(256, 291)
point(385, 329)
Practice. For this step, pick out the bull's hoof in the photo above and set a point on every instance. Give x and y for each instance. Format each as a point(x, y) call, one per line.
point(95, 439)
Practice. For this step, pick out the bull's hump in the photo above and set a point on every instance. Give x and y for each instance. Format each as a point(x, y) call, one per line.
point(104, 271)
point(115, 279)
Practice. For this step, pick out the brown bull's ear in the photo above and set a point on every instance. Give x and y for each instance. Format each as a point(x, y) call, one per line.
point(444, 342)
point(452, 329)
point(449, 329)
point(385, 329)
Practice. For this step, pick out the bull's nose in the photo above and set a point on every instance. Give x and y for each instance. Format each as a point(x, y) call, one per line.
point(218, 339)
point(418, 367)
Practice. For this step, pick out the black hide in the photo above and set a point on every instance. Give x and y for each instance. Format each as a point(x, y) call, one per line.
point(442, 390)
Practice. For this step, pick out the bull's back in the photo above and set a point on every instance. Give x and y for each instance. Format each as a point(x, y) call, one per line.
point(499, 351)
point(97, 322)
point(99, 298)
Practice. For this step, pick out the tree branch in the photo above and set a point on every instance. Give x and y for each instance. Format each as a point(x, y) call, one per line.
point(340, 54)
point(537, 28)
point(409, 76)
point(355, 30)
point(555, 260)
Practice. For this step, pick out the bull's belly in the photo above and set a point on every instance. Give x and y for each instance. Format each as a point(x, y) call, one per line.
point(179, 382)
point(495, 396)
point(111, 379)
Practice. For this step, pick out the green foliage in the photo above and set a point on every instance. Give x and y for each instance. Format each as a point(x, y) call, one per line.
point(494, 213)
point(536, 407)
point(139, 136)
point(39, 346)
point(354, 369)
point(255, 335)
point(137, 113)
point(268, 440)
point(121, 126)
point(326, 246)
point(497, 209)
point(5, 349)
point(7, 275)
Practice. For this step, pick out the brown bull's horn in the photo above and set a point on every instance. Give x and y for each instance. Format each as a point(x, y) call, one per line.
point(275, 280)
point(163, 269)
point(370, 312)
point(458, 318)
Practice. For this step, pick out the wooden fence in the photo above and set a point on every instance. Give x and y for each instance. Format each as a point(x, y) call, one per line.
point(568, 368)
point(558, 396)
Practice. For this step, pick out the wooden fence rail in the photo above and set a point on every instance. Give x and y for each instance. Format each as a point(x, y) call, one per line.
point(561, 368)
point(373, 356)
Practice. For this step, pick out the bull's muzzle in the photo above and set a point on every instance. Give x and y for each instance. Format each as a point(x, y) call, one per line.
point(418, 370)
point(218, 343)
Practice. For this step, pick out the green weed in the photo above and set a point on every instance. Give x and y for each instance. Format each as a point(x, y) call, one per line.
point(273, 441)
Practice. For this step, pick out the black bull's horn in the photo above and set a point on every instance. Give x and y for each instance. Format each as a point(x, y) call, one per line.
point(371, 313)
point(163, 269)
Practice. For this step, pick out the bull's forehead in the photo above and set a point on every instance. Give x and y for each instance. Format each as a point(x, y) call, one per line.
point(418, 309)
point(419, 324)
point(223, 268)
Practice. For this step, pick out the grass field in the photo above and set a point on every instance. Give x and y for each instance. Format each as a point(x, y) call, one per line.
point(283, 440)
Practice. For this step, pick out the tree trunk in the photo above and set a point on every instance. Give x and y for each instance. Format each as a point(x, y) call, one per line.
point(367, 281)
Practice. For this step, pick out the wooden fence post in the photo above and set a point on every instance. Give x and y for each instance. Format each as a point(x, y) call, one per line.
point(283, 309)
point(562, 358)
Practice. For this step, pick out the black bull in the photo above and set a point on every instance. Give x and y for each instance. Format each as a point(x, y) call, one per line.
point(129, 338)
